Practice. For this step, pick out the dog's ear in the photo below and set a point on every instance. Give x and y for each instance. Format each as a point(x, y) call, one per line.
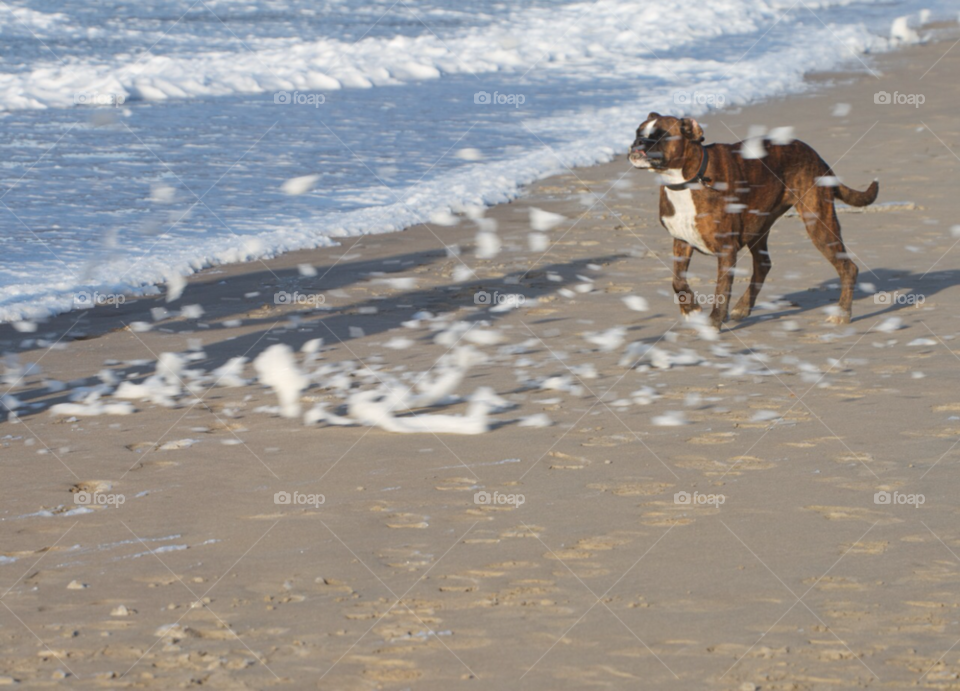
point(691, 129)
point(653, 116)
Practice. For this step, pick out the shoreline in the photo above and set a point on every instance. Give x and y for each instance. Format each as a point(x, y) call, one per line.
point(799, 579)
point(213, 256)
point(141, 305)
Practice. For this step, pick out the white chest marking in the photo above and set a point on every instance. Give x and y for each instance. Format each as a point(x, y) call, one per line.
point(683, 224)
point(671, 176)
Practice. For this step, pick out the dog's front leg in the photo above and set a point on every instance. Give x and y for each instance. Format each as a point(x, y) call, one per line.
point(726, 263)
point(682, 252)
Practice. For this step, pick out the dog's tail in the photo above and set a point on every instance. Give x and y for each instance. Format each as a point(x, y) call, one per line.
point(856, 197)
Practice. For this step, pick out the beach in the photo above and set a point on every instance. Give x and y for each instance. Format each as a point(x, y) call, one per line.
point(646, 506)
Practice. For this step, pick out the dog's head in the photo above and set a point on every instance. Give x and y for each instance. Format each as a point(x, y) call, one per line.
point(664, 142)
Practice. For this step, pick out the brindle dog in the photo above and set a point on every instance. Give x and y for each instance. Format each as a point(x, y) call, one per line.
point(715, 200)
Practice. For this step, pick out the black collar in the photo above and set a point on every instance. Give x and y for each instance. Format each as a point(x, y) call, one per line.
point(698, 176)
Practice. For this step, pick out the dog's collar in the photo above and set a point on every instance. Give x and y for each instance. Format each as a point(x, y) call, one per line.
point(698, 176)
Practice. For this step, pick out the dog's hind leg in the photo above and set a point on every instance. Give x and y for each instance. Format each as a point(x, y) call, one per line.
point(820, 219)
point(761, 267)
point(682, 252)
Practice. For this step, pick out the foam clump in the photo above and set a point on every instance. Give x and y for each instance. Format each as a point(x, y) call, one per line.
point(277, 368)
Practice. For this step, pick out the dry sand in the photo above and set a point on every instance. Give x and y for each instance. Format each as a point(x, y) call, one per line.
point(799, 580)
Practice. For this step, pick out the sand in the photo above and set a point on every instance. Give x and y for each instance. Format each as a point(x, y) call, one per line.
point(599, 578)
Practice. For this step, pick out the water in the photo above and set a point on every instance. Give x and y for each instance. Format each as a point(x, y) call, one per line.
point(181, 163)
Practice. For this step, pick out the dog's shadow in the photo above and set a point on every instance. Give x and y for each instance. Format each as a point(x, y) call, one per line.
point(896, 290)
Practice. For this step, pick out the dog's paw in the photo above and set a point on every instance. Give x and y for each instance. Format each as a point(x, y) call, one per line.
point(717, 317)
point(704, 326)
point(739, 313)
point(839, 319)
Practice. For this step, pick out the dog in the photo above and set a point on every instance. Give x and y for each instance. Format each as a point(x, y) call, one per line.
point(720, 198)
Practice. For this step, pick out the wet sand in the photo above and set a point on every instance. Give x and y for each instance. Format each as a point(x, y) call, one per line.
point(600, 578)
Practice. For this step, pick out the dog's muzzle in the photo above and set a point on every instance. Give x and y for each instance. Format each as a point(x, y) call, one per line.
point(638, 152)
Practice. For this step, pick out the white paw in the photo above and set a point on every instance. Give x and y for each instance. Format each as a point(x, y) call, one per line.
point(838, 319)
point(704, 326)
